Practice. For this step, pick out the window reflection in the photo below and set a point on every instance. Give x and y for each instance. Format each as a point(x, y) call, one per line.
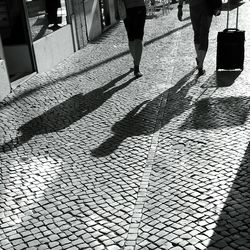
point(45, 16)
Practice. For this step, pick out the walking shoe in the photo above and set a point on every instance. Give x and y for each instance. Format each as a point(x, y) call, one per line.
point(201, 72)
point(137, 72)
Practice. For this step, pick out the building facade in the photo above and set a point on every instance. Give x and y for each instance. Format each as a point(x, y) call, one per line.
point(35, 35)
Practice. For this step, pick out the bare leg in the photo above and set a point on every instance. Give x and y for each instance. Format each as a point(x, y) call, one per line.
point(201, 58)
point(196, 45)
point(138, 53)
point(132, 48)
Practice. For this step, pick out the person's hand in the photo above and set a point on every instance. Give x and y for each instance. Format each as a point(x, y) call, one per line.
point(180, 13)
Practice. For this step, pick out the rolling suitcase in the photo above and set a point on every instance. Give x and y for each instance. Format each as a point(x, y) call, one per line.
point(230, 47)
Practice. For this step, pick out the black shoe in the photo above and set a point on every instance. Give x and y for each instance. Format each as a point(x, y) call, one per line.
point(201, 72)
point(137, 72)
point(54, 27)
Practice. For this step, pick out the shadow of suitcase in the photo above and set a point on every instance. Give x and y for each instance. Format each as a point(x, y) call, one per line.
point(230, 47)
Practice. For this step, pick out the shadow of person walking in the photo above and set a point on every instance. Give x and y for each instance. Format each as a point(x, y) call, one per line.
point(221, 79)
point(142, 120)
point(66, 113)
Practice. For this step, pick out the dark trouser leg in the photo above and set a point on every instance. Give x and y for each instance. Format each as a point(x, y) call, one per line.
point(134, 24)
point(201, 22)
point(138, 35)
point(52, 14)
point(138, 51)
point(204, 36)
point(128, 22)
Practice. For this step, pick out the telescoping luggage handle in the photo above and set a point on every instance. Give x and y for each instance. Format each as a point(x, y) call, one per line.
point(237, 17)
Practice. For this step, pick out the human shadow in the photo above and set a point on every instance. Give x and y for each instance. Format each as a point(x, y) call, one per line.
point(232, 228)
point(66, 113)
point(213, 113)
point(92, 66)
point(221, 79)
point(142, 119)
point(44, 26)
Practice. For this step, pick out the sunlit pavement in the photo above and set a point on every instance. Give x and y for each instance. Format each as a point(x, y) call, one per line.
point(92, 158)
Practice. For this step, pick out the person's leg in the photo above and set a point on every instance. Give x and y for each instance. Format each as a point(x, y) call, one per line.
point(139, 23)
point(54, 15)
point(197, 46)
point(49, 11)
point(201, 24)
point(195, 20)
point(128, 22)
point(138, 53)
point(204, 38)
point(131, 45)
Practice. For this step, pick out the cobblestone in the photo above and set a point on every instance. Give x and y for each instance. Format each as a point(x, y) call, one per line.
point(92, 158)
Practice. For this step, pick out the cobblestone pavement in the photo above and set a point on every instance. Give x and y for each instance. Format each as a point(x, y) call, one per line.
point(92, 158)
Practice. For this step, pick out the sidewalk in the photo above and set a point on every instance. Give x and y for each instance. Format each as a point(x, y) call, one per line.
point(92, 158)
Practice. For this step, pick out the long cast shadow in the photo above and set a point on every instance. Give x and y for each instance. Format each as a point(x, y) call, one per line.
point(221, 79)
point(66, 113)
point(232, 228)
point(214, 113)
point(43, 22)
point(91, 67)
point(142, 119)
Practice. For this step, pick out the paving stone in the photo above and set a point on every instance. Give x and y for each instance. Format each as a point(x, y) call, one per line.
point(189, 247)
point(53, 244)
point(64, 241)
point(33, 243)
point(54, 237)
point(20, 246)
point(42, 247)
point(113, 247)
point(57, 248)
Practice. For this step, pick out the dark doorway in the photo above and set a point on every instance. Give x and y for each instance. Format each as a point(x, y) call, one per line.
point(16, 39)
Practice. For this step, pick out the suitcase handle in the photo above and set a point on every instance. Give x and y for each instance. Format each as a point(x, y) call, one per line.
point(231, 29)
point(237, 15)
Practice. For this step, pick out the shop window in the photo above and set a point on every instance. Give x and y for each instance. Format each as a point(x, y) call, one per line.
point(45, 16)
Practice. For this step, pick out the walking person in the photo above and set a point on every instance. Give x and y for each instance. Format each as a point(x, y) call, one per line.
point(134, 24)
point(201, 13)
point(51, 9)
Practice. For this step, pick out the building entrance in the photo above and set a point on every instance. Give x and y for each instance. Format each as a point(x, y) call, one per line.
point(17, 44)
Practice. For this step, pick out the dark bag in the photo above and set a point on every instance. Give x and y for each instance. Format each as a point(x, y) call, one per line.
point(230, 47)
point(214, 6)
